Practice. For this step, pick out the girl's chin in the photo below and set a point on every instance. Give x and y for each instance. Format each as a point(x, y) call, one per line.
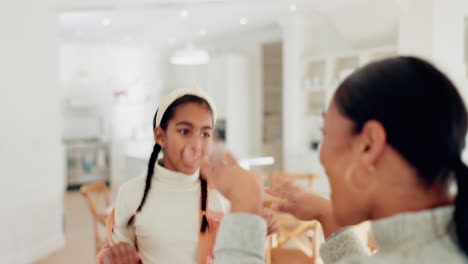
point(190, 168)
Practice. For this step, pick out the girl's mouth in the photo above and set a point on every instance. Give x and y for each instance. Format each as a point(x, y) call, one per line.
point(191, 156)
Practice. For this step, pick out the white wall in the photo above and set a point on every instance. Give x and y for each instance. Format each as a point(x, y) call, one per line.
point(91, 74)
point(31, 153)
point(244, 43)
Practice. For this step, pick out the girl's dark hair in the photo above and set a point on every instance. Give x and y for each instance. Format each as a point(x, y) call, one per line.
point(424, 117)
point(168, 115)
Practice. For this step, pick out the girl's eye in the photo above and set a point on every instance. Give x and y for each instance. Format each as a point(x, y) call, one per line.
point(184, 131)
point(206, 135)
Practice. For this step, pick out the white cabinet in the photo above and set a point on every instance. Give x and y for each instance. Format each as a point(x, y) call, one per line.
point(229, 82)
point(322, 76)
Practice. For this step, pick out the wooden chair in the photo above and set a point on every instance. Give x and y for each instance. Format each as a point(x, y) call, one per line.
point(302, 237)
point(364, 232)
point(98, 199)
point(309, 178)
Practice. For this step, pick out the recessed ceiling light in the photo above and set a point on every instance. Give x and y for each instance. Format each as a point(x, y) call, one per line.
point(184, 13)
point(105, 22)
point(202, 32)
point(244, 21)
point(292, 8)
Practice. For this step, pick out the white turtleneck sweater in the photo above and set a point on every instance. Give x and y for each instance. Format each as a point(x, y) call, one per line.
point(167, 228)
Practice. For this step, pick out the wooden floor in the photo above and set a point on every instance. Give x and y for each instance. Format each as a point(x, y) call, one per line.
point(79, 237)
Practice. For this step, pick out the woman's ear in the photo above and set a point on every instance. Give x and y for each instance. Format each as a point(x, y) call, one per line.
point(370, 145)
point(160, 136)
point(374, 139)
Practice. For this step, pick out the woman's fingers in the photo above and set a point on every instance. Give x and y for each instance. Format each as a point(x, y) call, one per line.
point(285, 190)
point(271, 221)
point(271, 192)
point(289, 208)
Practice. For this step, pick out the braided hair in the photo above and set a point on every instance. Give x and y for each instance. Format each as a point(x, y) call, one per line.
point(168, 115)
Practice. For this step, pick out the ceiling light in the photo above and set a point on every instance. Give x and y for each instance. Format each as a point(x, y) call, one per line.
point(184, 13)
point(292, 8)
point(189, 55)
point(244, 21)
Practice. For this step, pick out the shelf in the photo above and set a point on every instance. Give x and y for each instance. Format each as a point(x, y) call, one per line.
point(344, 66)
point(314, 75)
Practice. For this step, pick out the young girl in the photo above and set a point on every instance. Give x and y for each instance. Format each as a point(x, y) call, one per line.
point(171, 216)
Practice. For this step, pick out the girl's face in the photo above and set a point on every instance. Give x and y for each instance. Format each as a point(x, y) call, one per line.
point(187, 139)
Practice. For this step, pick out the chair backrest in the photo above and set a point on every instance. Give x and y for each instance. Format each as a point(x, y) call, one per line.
point(303, 236)
point(97, 195)
point(98, 199)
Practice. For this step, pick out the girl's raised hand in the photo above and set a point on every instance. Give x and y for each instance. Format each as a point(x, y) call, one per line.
point(121, 253)
point(240, 186)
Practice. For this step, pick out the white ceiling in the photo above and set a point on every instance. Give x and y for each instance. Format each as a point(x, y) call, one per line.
point(161, 24)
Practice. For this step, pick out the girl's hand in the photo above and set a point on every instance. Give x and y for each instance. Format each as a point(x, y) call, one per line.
point(121, 253)
point(241, 187)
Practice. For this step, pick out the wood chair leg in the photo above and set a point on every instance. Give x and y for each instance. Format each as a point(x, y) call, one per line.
point(268, 250)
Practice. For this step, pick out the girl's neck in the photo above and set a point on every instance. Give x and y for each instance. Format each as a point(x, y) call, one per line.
point(167, 164)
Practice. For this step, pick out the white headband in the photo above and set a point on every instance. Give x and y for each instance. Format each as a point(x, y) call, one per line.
point(178, 93)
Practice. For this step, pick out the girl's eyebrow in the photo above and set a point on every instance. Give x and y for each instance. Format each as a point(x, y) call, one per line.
point(191, 125)
point(184, 123)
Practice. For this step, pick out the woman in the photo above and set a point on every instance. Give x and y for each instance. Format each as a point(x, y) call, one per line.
point(393, 137)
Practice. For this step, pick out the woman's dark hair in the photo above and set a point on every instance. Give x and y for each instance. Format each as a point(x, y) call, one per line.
point(168, 115)
point(424, 117)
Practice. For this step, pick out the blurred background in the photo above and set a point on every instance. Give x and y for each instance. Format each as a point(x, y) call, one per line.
point(81, 81)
